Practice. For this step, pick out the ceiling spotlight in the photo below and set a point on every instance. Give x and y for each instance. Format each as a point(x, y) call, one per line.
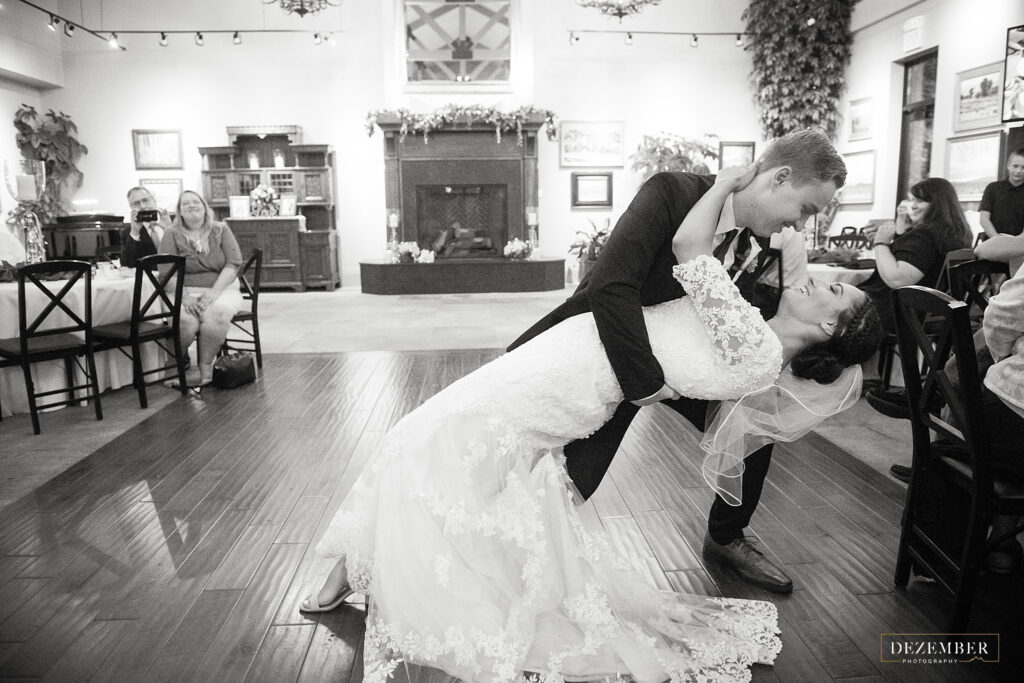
point(693, 40)
point(811, 21)
point(629, 39)
point(236, 39)
point(573, 38)
point(69, 29)
point(163, 39)
point(199, 40)
point(739, 40)
point(317, 39)
point(112, 41)
point(331, 40)
point(52, 24)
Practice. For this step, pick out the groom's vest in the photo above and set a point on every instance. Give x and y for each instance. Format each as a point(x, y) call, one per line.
point(764, 296)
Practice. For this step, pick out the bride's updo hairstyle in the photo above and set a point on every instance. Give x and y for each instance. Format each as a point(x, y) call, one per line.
point(858, 334)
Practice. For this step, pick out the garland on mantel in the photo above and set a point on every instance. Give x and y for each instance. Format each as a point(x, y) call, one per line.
point(450, 116)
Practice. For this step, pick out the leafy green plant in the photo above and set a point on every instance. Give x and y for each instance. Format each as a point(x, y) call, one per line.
point(590, 242)
point(671, 152)
point(800, 51)
point(52, 139)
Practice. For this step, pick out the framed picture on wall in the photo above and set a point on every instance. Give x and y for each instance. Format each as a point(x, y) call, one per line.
point(976, 97)
point(1013, 70)
point(157, 149)
point(164, 190)
point(972, 162)
point(591, 143)
point(862, 113)
point(735, 154)
point(591, 190)
point(860, 178)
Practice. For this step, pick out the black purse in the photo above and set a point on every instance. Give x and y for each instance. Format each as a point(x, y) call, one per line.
point(234, 370)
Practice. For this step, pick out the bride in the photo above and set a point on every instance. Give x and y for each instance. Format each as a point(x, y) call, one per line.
point(464, 528)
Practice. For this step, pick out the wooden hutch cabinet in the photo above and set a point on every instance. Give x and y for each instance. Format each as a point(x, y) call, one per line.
point(275, 156)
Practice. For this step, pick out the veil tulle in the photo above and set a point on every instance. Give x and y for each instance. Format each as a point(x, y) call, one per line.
point(784, 411)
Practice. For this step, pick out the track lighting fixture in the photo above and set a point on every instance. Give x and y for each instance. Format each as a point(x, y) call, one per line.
point(163, 39)
point(739, 40)
point(112, 42)
point(52, 23)
point(236, 39)
point(199, 40)
point(629, 39)
point(317, 39)
point(573, 38)
point(693, 41)
point(331, 40)
point(69, 29)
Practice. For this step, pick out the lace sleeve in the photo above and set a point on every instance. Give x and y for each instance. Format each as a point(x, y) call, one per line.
point(735, 326)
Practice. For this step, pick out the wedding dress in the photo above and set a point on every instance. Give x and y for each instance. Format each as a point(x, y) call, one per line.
point(464, 531)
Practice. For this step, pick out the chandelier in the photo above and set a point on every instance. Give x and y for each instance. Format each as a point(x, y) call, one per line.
point(618, 8)
point(303, 7)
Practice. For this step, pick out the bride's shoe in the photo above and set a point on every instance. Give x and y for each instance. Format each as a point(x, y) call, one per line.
point(311, 605)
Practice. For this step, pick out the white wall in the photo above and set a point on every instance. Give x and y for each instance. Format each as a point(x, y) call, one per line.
point(967, 33)
point(658, 83)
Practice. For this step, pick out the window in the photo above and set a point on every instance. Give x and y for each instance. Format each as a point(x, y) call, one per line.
point(458, 41)
point(917, 124)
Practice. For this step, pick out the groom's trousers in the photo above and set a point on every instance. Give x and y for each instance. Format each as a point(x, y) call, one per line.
point(587, 460)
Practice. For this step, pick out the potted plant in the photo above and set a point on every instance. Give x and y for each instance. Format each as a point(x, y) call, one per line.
point(671, 152)
point(589, 244)
point(52, 139)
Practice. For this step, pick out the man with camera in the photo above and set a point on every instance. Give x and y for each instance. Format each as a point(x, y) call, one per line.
point(148, 223)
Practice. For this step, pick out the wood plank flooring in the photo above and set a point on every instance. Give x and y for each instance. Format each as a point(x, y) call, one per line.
point(181, 550)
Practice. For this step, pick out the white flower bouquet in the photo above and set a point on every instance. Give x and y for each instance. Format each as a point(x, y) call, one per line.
point(407, 252)
point(263, 201)
point(426, 256)
point(517, 250)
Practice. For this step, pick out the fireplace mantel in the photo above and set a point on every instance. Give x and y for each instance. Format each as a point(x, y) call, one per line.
point(459, 154)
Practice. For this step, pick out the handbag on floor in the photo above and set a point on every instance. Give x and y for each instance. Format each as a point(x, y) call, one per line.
point(233, 370)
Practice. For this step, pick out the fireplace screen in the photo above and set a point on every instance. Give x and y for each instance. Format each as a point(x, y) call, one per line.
point(460, 221)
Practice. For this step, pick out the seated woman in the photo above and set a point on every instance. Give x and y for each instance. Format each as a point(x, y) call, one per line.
point(211, 297)
point(464, 525)
point(911, 252)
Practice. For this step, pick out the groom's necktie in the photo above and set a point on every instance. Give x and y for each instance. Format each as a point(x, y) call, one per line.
point(746, 278)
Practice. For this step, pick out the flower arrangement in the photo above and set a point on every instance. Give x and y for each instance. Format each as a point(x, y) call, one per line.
point(263, 201)
point(451, 115)
point(517, 250)
point(426, 256)
point(407, 252)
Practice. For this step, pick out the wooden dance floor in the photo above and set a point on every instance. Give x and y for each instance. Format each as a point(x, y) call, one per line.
point(181, 549)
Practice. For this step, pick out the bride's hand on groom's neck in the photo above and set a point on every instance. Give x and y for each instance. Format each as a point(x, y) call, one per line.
point(735, 178)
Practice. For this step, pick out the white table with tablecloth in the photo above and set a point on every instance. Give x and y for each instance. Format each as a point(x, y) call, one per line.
point(111, 302)
point(830, 273)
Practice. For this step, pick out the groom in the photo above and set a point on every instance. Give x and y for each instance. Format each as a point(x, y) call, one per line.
point(797, 176)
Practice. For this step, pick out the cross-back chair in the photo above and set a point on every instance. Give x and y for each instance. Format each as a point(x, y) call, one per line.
point(961, 456)
point(889, 347)
point(156, 317)
point(56, 331)
point(247, 320)
point(973, 282)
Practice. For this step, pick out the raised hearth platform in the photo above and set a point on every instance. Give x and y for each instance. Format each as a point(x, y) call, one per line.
point(462, 276)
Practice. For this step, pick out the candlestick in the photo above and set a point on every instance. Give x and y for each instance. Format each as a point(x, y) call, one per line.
point(26, 185)
point(392, 220)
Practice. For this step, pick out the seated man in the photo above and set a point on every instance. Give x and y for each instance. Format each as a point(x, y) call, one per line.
point(143, 237)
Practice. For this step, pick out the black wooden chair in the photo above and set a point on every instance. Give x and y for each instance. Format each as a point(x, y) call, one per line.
point(961, 456)
point(888, 349)
point(974, 282)
point(156, 317)
point(247, 320)
point(848, 238)
point(54, 330)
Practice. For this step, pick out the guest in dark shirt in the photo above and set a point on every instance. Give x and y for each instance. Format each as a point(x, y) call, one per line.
point(143, 237)
point(1002, 206)
point(913, 250)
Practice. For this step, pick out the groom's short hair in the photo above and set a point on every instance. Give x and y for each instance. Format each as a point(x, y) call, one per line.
point(810, 154)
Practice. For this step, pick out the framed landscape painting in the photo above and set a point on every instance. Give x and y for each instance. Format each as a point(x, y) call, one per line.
point(1013, 70)
point(972, 162)
point(861, 116)
point(976, 97)
point(860, 178)
point(157, 149)
point(591, 143)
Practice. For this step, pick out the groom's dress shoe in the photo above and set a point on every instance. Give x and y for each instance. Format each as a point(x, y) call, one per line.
point(749, 563)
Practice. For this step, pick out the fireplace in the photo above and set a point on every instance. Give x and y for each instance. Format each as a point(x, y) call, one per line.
point(462, 194)
point(462, 221)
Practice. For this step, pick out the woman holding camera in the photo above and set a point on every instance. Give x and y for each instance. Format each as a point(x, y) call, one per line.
point(211, 297)
point(928, 225)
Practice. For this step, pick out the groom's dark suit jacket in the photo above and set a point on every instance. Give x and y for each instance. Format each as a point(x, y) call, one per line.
point(133, 250)
point(634, 270)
